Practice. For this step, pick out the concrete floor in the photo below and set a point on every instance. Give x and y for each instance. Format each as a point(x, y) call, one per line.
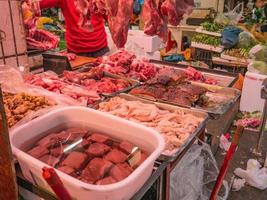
point(244, 152)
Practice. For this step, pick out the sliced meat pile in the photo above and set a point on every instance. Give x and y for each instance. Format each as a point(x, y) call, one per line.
point(95, 158)
point(53, 83)
point(125, 64)
point(170, 85)
point(195, 75)
point(36, 38)
point(94, 80)
point(175, 126)
point(156, 15)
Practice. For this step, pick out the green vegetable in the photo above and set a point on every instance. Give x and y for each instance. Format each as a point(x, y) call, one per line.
point(240, 53)
point(206, 39)
point(212, 27)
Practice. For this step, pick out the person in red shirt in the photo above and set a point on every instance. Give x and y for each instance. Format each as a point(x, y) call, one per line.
point(79, 41)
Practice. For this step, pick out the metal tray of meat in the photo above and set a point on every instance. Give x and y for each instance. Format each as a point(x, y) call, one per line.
point(133, 83)
point(102, 97)
point(225, 79)
point(228, 95)
point(231, 95)
point(171, 156)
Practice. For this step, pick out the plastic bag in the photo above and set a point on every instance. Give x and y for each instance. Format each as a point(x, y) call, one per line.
point(232, 17)
point(12, 82)
point(236, 14)
point(222, 19)
point(254, 174)
point(246, 40)
point(194, 177)
point(259, 53)
point(230, 36)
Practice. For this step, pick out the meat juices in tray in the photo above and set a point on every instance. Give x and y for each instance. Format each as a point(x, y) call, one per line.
point(91, 157)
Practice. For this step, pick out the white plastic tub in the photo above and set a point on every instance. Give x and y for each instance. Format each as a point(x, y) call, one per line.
point(143, 137)
point(251, 93)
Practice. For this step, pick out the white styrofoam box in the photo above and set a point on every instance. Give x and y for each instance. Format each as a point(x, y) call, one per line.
point(141, 136)
point(148, 43)
point(137, 37)
point(251, 92)
point(154, 55)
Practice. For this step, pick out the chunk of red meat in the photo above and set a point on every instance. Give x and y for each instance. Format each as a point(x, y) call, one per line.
point(75, 160)
point(121, 171)
point(38, 151)
point(50, 160)
point(112, 6)
point(116, 156)
point(71, 76)
point(66, 169)
point(126, 146)
point(99, 138)
point(46, 141)
point(84, 144)
point(154, 23)
point(119, 23)
point(95, 170)
point(98, 149)
point(106, 181)
point(57, 151)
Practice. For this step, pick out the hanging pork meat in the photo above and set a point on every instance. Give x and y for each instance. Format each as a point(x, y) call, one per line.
point(156, 15)
point(36, 38)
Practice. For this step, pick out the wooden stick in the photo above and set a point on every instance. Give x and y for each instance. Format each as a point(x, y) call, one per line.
point(226, 161)
point(8, 184)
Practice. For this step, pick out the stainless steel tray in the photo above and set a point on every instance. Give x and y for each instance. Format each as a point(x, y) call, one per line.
point(217, 109)
point(225, 79)
point(176, 152)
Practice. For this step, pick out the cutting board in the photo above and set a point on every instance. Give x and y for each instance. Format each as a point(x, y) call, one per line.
point(81, 60)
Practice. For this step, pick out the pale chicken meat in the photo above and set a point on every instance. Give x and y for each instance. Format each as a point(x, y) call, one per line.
point(175, 126)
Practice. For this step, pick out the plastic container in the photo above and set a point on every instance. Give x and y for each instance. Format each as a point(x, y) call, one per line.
point(251, 92)
point(145, 138)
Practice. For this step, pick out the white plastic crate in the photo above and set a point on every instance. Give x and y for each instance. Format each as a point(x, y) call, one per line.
point(141, 136)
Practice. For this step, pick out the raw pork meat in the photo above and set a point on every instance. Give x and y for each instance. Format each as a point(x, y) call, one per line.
point(119, 23)
point(156, 15)
point(36, 38)
point(53, 83)
point(195, 75)
point(154, 23)
point(126, 64)
point(116, 12)
point(101, 162)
